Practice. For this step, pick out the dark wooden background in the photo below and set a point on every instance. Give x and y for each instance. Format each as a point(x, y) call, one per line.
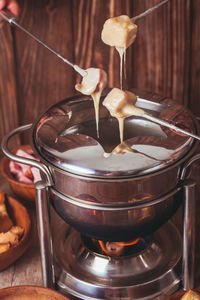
point(164, 58)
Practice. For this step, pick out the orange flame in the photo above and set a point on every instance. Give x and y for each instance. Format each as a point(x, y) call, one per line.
point(103, 247)
point(129, 243)
point(121, 244)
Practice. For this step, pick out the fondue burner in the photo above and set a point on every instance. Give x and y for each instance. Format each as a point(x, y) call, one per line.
point(143, 273)
point(152, 268)
point(119, 242)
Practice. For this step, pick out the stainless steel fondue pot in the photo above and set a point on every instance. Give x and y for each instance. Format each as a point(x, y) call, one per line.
point(117, 196)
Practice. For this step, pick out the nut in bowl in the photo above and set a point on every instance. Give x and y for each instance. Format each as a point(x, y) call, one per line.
point(19, 177)
point(188, 295)
point(15, 230)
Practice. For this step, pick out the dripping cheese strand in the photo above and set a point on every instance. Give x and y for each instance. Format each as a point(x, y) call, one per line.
point(121, 52)
point(96, 99)
point(121, 128)
point(119, 32)
point(93, 84)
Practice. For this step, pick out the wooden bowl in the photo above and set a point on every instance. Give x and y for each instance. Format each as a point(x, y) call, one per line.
point(30, 292)
point(23, 191)
point(179, 295)
point(20, 217)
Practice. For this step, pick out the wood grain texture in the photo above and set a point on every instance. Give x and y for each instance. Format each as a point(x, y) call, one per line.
point(163, 59)
point(89, 17)
point(194, 91)
point(27, 269)
point(8, 93)
point(43, 78)
point(30, 292)
point(162, 49)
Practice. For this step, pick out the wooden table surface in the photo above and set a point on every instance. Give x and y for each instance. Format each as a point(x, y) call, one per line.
point(27, 269)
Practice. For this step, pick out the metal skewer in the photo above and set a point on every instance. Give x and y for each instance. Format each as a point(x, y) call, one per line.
point(10, 19)
point(7, 16)
point(148, 11)
point(171, 126)
point(130, 111)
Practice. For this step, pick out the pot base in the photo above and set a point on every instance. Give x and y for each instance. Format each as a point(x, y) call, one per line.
point(151, 273)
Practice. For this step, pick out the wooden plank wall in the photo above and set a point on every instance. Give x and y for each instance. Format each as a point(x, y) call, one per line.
point(163, 59)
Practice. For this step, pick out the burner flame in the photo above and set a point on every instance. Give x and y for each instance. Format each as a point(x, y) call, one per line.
point(129, 243)
point(116, 248)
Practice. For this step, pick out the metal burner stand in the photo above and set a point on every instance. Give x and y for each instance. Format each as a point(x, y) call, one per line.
point(149, 273)
point(187, 277)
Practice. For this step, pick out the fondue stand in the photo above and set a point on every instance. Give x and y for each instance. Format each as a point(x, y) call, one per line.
point(119, 198)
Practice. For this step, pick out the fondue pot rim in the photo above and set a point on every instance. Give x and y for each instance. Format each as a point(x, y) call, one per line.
point(104, 177)
point(115, 206)
point(115, 179)
point(48, 171)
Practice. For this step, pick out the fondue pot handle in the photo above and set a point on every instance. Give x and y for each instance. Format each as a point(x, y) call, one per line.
point(34, 163)
point(42, 208)
point(183, 170)
point(44, 232)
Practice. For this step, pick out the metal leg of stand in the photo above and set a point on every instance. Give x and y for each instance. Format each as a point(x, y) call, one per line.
point(189, 235)
point(46, 248)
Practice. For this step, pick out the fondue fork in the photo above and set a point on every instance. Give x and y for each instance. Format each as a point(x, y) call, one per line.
point(169, 125)
point(148, 11)
point(5, 15)
point(131, 111)
point(12, 21)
